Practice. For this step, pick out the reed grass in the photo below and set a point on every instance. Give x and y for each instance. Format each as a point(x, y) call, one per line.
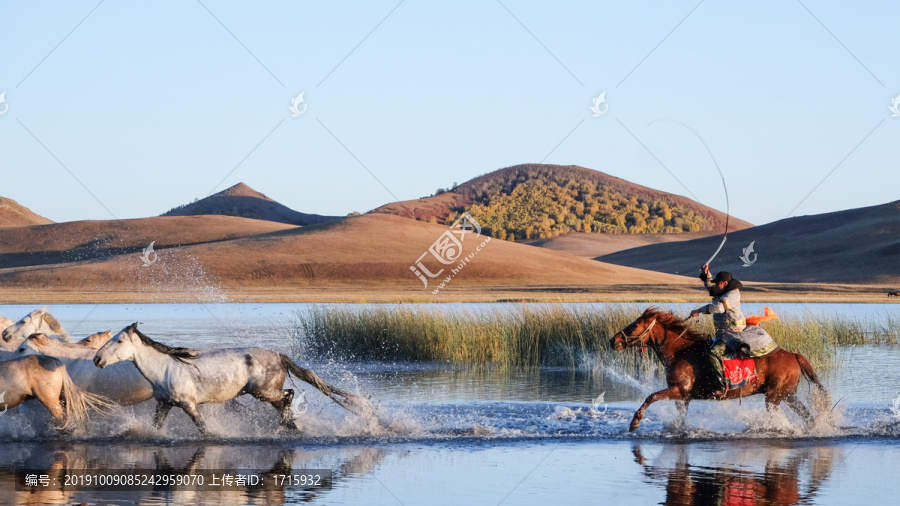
point(536, 335)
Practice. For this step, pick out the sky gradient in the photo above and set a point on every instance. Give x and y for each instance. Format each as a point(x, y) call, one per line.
point(128, 109)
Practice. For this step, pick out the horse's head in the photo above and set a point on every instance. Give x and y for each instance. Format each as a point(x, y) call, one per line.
point(637, 333)
point(96, 341)
point(29, 324)
point(119, 348)
point(35, 344)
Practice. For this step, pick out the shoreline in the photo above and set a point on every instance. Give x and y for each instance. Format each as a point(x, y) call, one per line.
point(756, 293)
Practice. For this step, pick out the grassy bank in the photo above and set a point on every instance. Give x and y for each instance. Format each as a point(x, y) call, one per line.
point(535, 335)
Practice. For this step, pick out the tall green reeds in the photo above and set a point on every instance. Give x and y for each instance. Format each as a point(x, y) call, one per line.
point(534, 335)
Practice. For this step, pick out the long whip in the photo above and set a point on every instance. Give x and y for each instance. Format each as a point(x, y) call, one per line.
point(721, 175)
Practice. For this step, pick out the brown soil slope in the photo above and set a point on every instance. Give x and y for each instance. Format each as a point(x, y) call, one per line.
point(88, 240)
point(854, 246)
point(241, 200)
point(13, 214)
point(595, 245)
point(369, 251)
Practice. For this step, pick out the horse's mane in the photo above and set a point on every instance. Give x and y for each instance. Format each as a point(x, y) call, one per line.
point(56, 342)
point(671, 322)
point(179, 354)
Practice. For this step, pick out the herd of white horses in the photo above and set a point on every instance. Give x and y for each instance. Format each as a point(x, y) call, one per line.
point(40, 360)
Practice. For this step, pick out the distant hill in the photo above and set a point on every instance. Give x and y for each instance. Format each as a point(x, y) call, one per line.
point(245, 202)
point(366, 252)
point(13, 214)
point(595, 245)
point(860, 246)
point(535, 201)
point(77, 241)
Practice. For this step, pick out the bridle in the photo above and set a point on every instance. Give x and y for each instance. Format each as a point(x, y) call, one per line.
point(631, 341)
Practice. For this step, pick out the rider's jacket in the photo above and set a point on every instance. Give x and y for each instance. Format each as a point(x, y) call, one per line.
point(726, 309)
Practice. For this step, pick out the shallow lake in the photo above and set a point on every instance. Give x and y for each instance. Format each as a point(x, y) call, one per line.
point(477, 435)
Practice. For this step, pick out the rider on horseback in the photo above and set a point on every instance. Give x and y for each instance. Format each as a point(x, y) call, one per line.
point(728, 319)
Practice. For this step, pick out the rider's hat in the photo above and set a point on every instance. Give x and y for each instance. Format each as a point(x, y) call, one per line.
point(723, 276)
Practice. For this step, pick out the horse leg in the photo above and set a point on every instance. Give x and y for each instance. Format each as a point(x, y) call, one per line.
point(794, 403)
point(194, 413)
point(669, 394)
point(682, 406)
point(283, 406)
point(162, 410)
point(56, 404)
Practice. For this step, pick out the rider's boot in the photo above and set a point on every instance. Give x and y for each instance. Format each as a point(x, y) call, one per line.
point(714, 357)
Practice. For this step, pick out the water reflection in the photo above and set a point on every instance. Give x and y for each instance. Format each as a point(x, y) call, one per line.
point(745, 474)
point(345, 462)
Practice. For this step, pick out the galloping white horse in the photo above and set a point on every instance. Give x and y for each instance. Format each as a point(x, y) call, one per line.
point(186, 378)
point(45, 378)
point(121, 383)
point(37, 321)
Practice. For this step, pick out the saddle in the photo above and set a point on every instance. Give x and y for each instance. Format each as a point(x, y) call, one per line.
point(740, 371)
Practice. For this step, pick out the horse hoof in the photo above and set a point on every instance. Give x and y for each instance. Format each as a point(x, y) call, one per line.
point(634, 426)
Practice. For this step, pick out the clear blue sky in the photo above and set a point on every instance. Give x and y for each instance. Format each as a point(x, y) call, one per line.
point(152, 104)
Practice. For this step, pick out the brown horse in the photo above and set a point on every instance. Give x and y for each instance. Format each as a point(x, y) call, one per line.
point(682, 352)
point(46, 379)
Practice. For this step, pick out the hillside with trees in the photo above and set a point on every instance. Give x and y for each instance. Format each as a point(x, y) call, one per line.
point(536, 201)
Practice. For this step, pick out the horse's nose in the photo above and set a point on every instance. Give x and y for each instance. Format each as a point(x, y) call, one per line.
point(6, 335)
point(97, 362)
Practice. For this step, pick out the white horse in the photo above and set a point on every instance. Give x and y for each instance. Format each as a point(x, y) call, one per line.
point(121, 383)
point(4, 322)
point(187, 378)
point(37, 321)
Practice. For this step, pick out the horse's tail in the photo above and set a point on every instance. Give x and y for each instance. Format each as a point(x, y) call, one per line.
point(821, 399)
point(76, 402)
point(346, 400)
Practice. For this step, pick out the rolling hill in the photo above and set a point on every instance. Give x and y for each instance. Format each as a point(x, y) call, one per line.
point(367, 253)
point(13, 214)
point(76, 241)
point(853, 246)
point(245, 202)
point(535, 201)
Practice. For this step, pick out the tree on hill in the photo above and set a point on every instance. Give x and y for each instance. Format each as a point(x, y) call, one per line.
point(540, 204)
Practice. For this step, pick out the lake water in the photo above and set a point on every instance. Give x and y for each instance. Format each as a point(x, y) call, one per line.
point(476, 435)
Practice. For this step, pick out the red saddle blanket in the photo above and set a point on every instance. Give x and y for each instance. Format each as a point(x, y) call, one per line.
point(739, 372)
